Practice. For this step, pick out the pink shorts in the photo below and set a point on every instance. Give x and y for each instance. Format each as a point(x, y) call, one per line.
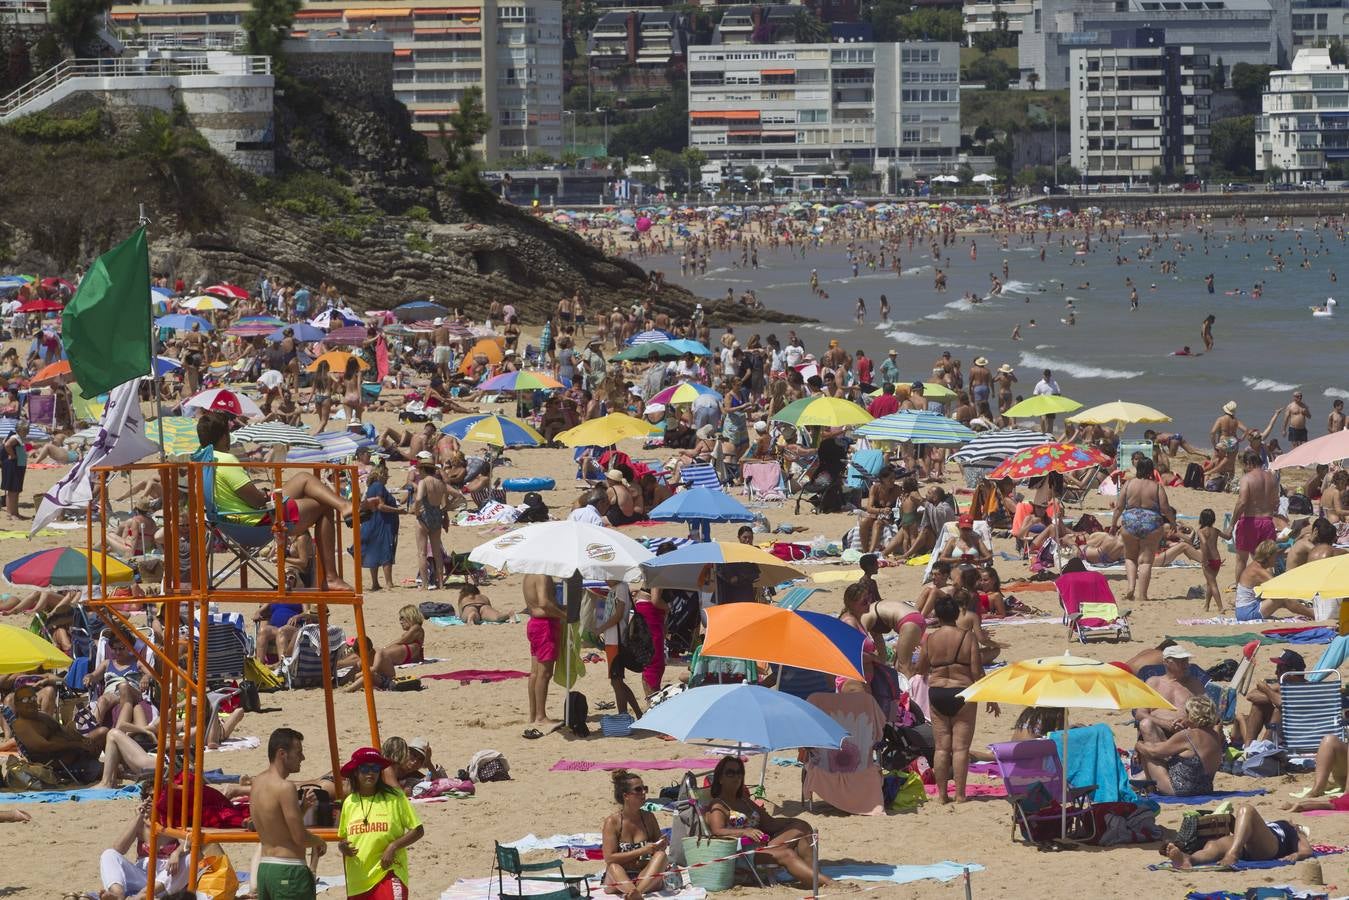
point(544, 634)
point(1251, 531)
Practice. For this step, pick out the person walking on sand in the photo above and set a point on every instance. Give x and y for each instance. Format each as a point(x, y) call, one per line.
point(428, 508)
point(544, 631)
point(279, 822)
point(1253, 514)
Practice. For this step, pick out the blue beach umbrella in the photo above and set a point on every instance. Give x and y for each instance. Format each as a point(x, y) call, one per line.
point(164, 365)
point(702, 506)
point(418, 311)
point(746, 714)
point(182, 322)
point(651, 336)
point(301, 331)
point(688, 345)
point(915, 427)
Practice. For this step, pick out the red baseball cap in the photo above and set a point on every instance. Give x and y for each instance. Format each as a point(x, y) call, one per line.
point(227, 402)
point(965, 521)
point(364, 756)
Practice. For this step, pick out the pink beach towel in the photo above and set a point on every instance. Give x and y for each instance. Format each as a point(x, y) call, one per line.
point(465, 676)
point(974, 790)
point(634, 765)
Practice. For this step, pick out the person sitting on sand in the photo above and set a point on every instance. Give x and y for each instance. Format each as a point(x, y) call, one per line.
point(1252, 839)
point(55, 451)
point(1266, 700)
point(269, 620)
point(122, 878)
point(968, 547)
point(1249, 607)
point(1178, 685)
point(734, 815)
point(635, 851)
point(475, 608)
point(382, 668)
point(45, 740)
point(1183, 764)
point(1332, 769)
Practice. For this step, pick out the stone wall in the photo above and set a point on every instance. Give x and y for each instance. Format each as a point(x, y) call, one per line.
point(354, 67)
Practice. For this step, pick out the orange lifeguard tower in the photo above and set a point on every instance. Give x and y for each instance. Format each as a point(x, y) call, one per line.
point(189, 595)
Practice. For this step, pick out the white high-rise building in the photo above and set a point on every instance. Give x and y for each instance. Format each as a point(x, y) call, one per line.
point(1304, 122)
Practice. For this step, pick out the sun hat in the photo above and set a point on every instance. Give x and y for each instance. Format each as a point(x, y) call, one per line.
point(981, 361)
point(893, 352)
point(421, 745)
point(1175, 651)
point(1230, 407)
point(1005, 369)
point(615, 476)
point(425, 456)
point(364, 756)
point(761, 426)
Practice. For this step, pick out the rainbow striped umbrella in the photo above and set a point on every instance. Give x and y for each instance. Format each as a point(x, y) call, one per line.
point(684, 392)
point(498, 430)
point(63, 567)
point(524, 380)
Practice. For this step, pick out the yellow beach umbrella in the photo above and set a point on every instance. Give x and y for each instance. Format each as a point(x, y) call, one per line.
point(23, 651)
point(937, 391)
point(1326, 578)
point(1065, 682)
point(1119, 411)
point(605, 430)
point(1042, 405)
point(829, 412)
point(337, 361)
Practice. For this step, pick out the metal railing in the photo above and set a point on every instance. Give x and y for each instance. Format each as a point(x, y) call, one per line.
point(233, 40)
point(14, 7)
point(131, 67)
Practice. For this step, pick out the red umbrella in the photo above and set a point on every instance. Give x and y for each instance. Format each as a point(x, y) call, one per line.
point(58, 283)
point(350, 334)
point(41, 306)
point(230, 291)
point(1057, 457)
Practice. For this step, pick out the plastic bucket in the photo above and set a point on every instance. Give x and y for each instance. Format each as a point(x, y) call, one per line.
point(717, 876)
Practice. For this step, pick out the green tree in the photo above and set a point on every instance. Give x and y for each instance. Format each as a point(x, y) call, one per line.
point(76, 21)
point(1249, 82)
point(266, 25)
point(1068, 174)
point(861, 176)
point(752, 175)
point(932, 25)
point(1338, 56)
point(883, 16)
point(1032, 79)
point(46, 52)
point(808, 29)
point(1156, 175)
point(19, 67)
point(1232, 144)
point(991, 71)
point(966, 172)
point(693, 160)
point(665, 125)
point(462, 129)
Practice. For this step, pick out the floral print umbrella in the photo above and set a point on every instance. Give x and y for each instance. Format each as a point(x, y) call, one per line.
point(1057, 457)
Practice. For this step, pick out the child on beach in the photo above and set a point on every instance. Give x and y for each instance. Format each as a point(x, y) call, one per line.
point(1208, 535)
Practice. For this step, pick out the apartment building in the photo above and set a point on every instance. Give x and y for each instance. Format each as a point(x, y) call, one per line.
point(1304, 122)
point(631, 49)
point(799, 105)
point(513, 51)
point(986, 15)
point(1139, 104)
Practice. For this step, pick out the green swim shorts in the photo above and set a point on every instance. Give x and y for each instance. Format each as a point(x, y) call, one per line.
point(286, 879)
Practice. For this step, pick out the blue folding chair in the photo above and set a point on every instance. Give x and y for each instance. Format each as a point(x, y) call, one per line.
point(1311, 710)
point(243, 541)
point(701, 476)
point(863, 468)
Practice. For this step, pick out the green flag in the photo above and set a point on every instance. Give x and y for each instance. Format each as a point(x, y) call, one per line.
point(106, 325)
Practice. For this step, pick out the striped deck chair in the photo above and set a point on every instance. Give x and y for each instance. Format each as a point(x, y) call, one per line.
point(304, 667)
point(793, 597)
point(701, 476)
point(1311, 710)
point(587, 464)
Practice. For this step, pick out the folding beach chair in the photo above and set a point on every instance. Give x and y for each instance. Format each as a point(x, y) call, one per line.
point(507, 862)
point(764, 481)
point(701, 476)
point(1091, 480)
point(1128, 448)
point(950, 533)
point(1089, 608)
point(226, 648)
point(1225, 696)
point(243, 542)
point(57, 767)
point(728, 468)
point(1311, 710)
point(793, 597)
point(862, 470)
point(588, 468)
point(1033, 775)
point(304, 667)
point(720, 670)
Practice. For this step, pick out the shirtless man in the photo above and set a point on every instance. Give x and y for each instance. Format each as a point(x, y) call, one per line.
point(279, 822)
point(877, 508)
point(440, 354)
point(1177, 685)
point(1336, 420)
point(1318, 542)
point(1295, 418)
point(1225, 429)
point(544, 631)
point(1257, 500)
point(429, 508)
point(981, 386)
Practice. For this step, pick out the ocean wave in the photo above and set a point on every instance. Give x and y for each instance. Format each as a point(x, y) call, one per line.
point(1267, 384)
point(916, 269)
point(1336, 392)
point(1076, 370)
point(908, 337)
point(1020, 287)
point(962, 303)
point(827, 329)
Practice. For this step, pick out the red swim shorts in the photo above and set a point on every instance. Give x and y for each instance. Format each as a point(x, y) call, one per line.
point(1251, 530)
point(292, 513)
point(544, 634)
point(389, 888)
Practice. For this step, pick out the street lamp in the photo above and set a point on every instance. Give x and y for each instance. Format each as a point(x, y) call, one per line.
point(571, 113)
point(605, 111)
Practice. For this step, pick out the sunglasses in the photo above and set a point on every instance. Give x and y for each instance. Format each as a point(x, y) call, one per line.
point(369, 768)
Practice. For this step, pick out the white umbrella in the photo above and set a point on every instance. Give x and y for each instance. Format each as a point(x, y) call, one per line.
point(983, 178)
point(562, 549)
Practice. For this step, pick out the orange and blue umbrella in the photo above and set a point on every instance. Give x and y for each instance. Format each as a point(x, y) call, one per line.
point(1046, 458)
point(63, 567)
point(523, 380)
point(788, 637)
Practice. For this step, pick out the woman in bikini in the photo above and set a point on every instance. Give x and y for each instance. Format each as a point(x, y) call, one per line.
point(635, 856)
point(322, 395)
point(475, 608)
point(910, 505)
point(409, 646)
point(1183, 765)
point(1140, 511)
point(877, 508)
point(950, 662)
point(968, 547)
point(351, 390)
point(989, 587)
point(855, 606)
point(881, 617)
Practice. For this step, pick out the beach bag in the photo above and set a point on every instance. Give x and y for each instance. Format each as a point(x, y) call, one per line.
point(1299, 505)
point(1194, 477)
point(216, 879)
point(577, 709)
point(489, 765)
point(1263, 759)
point(248, 697)
point(636, 647)
point(903, 791)
point(261, 677)
point(901, 745)
point(22, 775)
point(1223, 671)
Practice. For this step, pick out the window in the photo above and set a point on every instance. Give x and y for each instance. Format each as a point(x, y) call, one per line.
point(926, 54)
point(812, 115)
point(852, 56)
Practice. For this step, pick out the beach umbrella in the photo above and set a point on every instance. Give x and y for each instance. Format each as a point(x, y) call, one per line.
point(63, 567)
point(160, 291)
point(343, 315)
point(347, 334)
point(983, 178)
point(224, 400)
point(605, 431)
point(203, 303)
point(1325, 578)
point(301, 331)
point(787, 637)
point(1057, 457)
point(228, 291)
point(914, 427)
point(485, 347)
point(563, 549)
point(250, 329)
point(1324, 450)
point(1065, 682)
point(494, 429)
point(180, 434)
point(684, 392)
point(688, 345)
point(685, 567)
point(261, 320)
point(419, 310)
point(183, 322)
point(53, 372)
point(166, 364)
point(522, 380)
point(274, 433)
point(23, 651)
point(746, 714)
point(1119, 411)
point(59, 283)
point(651, 336)
point(337, 361)
point(1000, 444)
point(334, 446)
point(938, 392)
point(41, 306)
point(36, 432)
point(639, 352)
point(701, 506)
point(1042, 405)
point(830, 412)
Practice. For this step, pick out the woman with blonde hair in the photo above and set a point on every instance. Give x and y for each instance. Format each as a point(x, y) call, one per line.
point(1183, 764)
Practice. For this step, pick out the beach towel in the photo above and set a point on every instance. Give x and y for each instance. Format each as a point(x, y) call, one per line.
point(1093, 759)
point(942, 871)
point(1319, 634)
point(1331, 658)
point(972, 790)
point(634, 765)
point(1243, 865)
point(126, 792)
point(1023, 620)
point(763, 480)
point(485, 676)
point(1029, 587)
point(239, 743)
point(1203, 799)
point(23, 535)
point(481, 888)
point(1119, 566)
point(1217, 640)
point(1229, 620)
point(421, 662)
point(836, 575)
point(532, 842)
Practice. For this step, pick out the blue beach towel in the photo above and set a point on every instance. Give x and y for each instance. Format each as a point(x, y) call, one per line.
point(128, 792)
point(1333, 657)
point(942, 871)
point(1093, 759)
point(1204, 799)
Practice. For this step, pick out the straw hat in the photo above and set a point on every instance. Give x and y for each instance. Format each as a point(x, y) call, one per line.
point(1005, 369)
point(981, 361)
point(1230, 407)
point(615, 476)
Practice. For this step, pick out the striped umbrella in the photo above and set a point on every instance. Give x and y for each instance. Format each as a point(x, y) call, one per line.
point(684, 392)
point(249, 329)
point(830, 412)
point(494, 429)
point(524, 380)
point(334, 446)
point(911, 426)
point(1000, 444)
point(203, 303)
point(652, 336)
point(348, 334)
point(263, 320)
point(35, 431)
point(63, 567)
point(275, 433)
point(180, 434)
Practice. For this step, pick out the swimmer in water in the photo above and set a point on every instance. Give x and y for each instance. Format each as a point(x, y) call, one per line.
point(1016, 332)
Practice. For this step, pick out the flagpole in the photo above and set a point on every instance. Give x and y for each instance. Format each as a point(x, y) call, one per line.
point(144, 222)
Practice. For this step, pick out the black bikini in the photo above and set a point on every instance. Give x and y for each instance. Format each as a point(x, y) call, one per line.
point(947, 700)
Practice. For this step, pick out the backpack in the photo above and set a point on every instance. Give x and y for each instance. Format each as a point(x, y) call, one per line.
point(1299, 505)
point(1194, 477)
point(576, 710)
point(636, 648)
point(681, 621)
point(899, 746)
point(489, 765)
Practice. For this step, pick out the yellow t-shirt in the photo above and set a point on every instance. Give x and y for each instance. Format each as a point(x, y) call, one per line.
point(229, 478)
point(370, 824)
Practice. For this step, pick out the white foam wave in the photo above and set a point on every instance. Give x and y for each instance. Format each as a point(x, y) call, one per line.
point(916, 269)
point(908, 337)
point(1044, 346)
point(827, 329)
point(962, 304)
point(1020, 287)
point(1266, 384)
point(1076, 370)
point(1336, 392)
